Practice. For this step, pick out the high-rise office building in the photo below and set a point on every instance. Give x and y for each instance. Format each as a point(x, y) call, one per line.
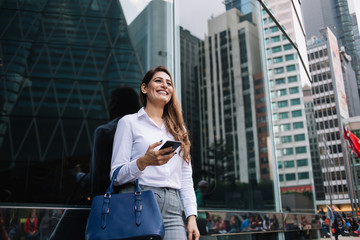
point(145, 30)
point(334, 14)
point(287, 78)
point(58, 72)
point(352, 96)
point(314, 144)
point(331, 108)
point(227, 94)
point(190, 100)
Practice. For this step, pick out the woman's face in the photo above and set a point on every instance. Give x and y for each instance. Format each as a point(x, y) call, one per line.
point(159, 90)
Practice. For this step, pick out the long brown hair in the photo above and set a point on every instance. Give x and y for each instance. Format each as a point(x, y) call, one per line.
point(172, 115)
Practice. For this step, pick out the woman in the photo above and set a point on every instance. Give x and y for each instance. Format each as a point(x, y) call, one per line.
point(31, 226)
point(136, 147)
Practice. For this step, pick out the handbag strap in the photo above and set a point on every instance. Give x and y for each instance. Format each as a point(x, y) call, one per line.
point(105, 208)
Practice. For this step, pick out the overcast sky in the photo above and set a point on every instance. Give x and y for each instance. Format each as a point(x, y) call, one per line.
point(193, 14)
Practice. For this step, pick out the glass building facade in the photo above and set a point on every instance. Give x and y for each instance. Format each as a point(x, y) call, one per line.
point(60, 61)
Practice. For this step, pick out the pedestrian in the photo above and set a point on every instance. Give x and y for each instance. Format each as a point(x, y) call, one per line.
point(167, 172)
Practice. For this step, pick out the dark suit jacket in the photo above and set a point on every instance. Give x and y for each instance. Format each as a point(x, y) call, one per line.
point(98, 178)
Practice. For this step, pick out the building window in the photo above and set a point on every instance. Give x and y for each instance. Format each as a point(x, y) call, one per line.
point(275, 39)
point(294, 90)
point(286, 139)
point(288, 151)
point(300, 150)
point(290, 68)
point(279, 70)
point(285, 127)
point(292, 79)
point(288, 46)
point(281, 92)
point(278, 59)
point(297, 125)
point(276, 49)
point(274, 29)
point(281, 177)
point(301, 162)
point(295, 101)
point(299, 137)
point(303, 175)
point(283, 115)
point(289, 164)
point(289, 57)
point(290, 176)
point(279, 165)
point(296, 113)
point(280, 81)
point(282, 104)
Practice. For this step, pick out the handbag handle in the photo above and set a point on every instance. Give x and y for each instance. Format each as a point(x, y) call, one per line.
point(105, 209)
point(110, 189)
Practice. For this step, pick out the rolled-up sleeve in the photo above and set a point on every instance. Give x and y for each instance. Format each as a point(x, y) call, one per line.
point(121, 155)
point(187, 193)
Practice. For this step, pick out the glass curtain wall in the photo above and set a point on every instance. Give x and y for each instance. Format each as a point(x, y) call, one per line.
point(60, 61)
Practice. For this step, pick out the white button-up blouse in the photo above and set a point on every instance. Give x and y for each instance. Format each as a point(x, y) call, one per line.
point(134, 133)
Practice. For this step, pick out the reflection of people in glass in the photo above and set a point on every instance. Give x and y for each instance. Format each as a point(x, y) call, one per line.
point(256, 223)
point(123, 101)
point(15, 226)
point(31, 226)
point(266, 223)
point(274, 224)
point(136, 147)
point(200, 192)
point(305, 225)
point(220, 225)
point(3, 232)
point(234, 224)
point(246, 225)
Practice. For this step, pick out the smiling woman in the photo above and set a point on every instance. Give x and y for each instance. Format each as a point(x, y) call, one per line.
point(168, 173)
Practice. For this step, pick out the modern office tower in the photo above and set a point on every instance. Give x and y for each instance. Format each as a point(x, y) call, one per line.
point(189, 62)
point(61, 60)
point(352, 96)
point(245, 6)
point(331, 108)
point(262, 127)
point(334, 14)
point(145, 29)
point(230, 58)
point(287, 78)
point(314, 144)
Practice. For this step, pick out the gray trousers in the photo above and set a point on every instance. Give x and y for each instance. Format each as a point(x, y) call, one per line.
point(170, 207)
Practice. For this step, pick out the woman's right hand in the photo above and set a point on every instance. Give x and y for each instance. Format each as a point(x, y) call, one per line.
point(153, 157)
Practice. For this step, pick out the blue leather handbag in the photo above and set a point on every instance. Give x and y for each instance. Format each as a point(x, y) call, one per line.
point(124, 216)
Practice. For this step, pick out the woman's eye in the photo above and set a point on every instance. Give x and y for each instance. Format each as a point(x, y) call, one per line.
point(169, 83)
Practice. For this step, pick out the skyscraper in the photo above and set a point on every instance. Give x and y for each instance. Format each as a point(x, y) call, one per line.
point(227, 93)
point(287, 78)
point(190, 100)
point(154, 20)
point(331, 108)
point(61, 60)
point(334, 14)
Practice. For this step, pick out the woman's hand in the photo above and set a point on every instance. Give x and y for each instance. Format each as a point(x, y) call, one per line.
point(155, 158)
point(193, 231)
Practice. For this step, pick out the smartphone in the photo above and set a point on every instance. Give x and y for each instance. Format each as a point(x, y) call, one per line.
point(173, 144)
